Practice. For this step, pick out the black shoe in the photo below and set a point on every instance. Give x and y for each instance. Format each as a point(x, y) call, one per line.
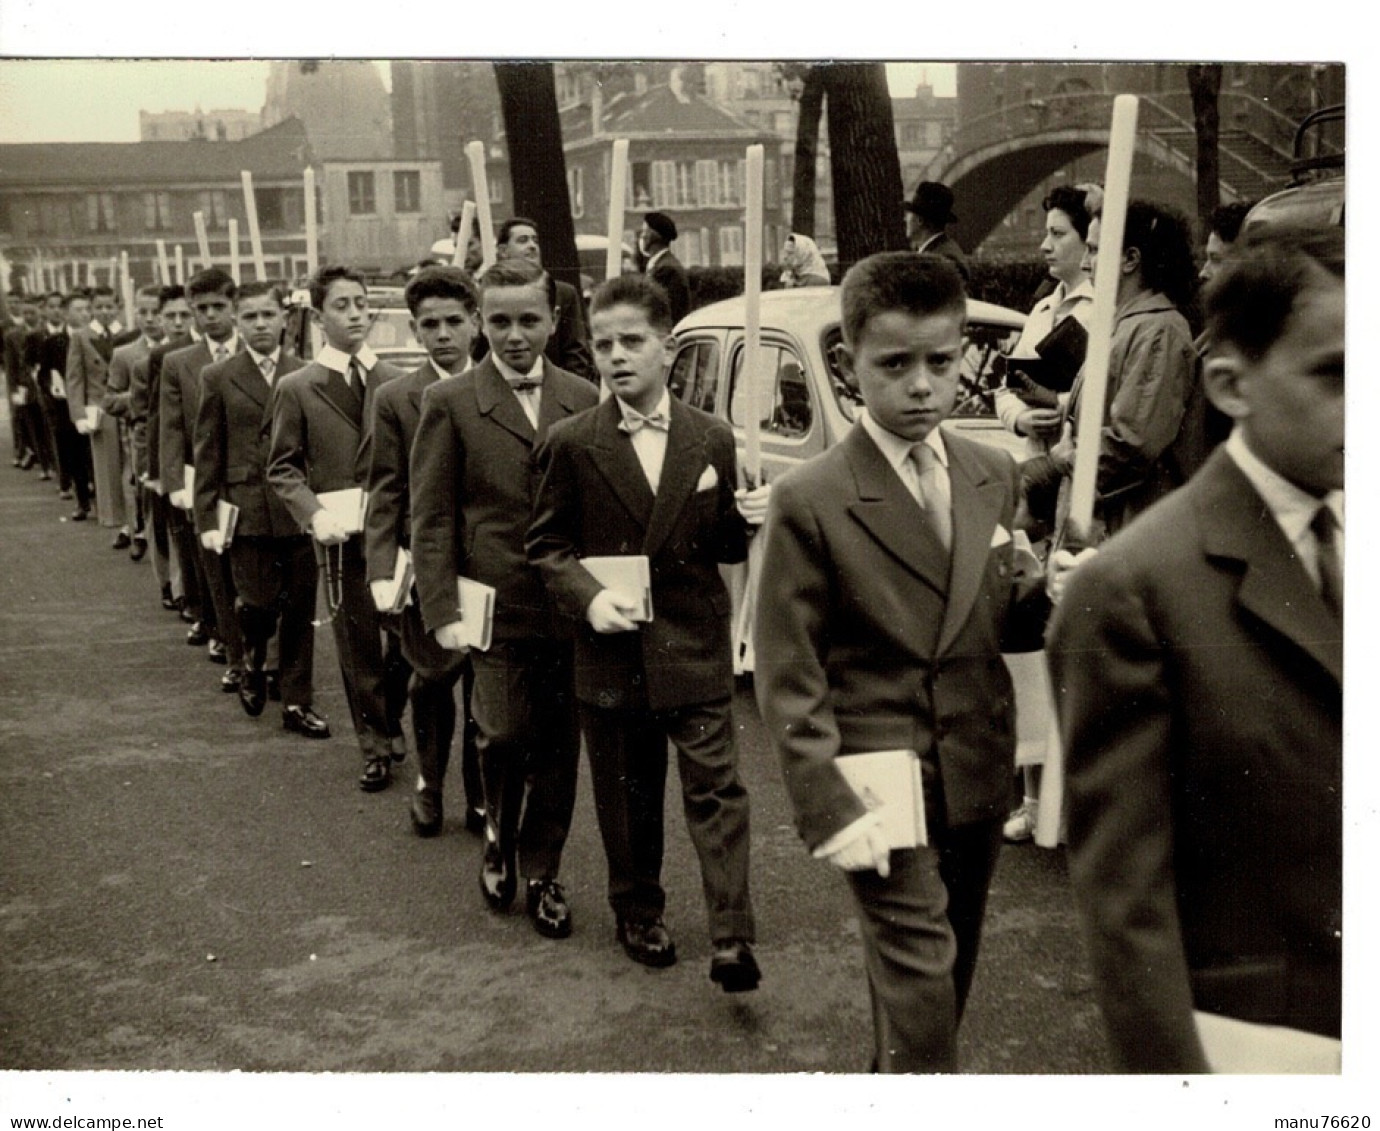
point(647, 941)
point(306, 722)
point(548, 909)
point(377, 775)
point(474, 820)
point(186, 614)
point(139, 548)
point(197, 634)
point(64, 492)
point(171, 603)
point(251, 691)
point(497, 878)
point(81, 514)
point(274, 687)
point(215, 651)
point(122, 541)
point(231, 680)
point(45, 476)
point(397, 748)
point(27, 462)
point(427, 812)
point(733, 967)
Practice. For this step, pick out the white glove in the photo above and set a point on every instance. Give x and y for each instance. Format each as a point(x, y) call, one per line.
point(382, 593)
point(327, 530)
point(1061, 566)
point(214, 541)
point(450, 637)
point(612, 612)
point(752, 505)
point(84, 427)
point(179, 499)
point(862, 847)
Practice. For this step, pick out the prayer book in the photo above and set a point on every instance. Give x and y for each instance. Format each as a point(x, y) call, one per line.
point(399, 586)
point(629, 575)
point(346, 507)
point(476, 612)
point(888, 783)
point(227, 518)
point(1233, 1046)
point(93, 416)
point(189, 483)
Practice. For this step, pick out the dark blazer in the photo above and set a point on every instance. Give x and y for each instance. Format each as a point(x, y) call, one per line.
point(52, 355)
point(316, 444)
point(594, 499)
point(473, 483)
point(397, 412)
point(230, 448)
point(179, 396)
point(1200, 680)
point(948, 247)
point(18, 364)
point(864, 642)
point(125, 365)
point(670, 273)
point(145, 403)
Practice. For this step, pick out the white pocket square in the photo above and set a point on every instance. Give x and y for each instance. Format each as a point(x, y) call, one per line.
point(1000, 537)
point(709, 479)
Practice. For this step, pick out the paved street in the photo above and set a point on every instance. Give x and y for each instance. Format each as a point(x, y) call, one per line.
point(184, 888)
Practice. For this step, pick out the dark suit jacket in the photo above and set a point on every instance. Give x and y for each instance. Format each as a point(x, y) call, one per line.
point(18, 367)
point(179, 396)
point(1201, 708)
point(473, 483)
point(316, 445)
point(948, 247)
point(230, 448)
point(145, 403)
point(594, 499)
point(670, 273)
point(126, 363)
point(865, 642)
point(397, 412)
point(52, 355)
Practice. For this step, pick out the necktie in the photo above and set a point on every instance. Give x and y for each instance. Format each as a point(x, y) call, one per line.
point(1324, 528)
point(267, 367)
point(525, 385)
point(633, 421)
point(932, 495)
point(354, 381)
point(218, 352)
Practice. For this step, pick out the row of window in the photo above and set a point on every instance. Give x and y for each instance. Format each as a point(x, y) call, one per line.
point(407, 191)
point(694, 184)
point(98, 213)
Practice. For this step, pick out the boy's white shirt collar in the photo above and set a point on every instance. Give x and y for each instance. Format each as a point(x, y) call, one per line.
point(509, 374)
point(338, 361)
point(231, 345)
point(259, 358)
point(662, 406)
point(99, 327)
point(897, 449)
point(443, 374)
point(1292, 507)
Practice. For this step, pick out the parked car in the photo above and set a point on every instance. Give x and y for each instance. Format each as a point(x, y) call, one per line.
point(390, 333)
point(807, 401)
point(1317, 193)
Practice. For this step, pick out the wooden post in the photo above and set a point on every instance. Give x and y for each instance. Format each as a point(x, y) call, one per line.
point(752, 318)
point(309, 213)
point(480, 177)
point(251, 211)
point(618, 190)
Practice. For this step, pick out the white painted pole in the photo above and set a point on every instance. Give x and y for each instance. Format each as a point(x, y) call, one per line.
point(164, 275)
point(752, 317)
point(463, 234)
point(235, 251)
point(480, 178)
point(1092, 399)
point(251, 211)
point(618, 190)
point(309, 213)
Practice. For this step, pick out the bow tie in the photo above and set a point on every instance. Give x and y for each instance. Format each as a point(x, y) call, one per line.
point(633, 421)
point(525, 385)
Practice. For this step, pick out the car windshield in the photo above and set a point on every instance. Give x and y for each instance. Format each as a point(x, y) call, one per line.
point(390, 330)
point(979, 378)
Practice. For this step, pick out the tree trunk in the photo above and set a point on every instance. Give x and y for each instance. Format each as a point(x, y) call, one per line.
point(1204, 84)
point(536, 160)
point(868, 193)
point(806, 153)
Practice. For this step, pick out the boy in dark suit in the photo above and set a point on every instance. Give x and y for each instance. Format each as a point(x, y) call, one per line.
point(645, 474)
point(271, 560)
point(473, 481)
point(888, 594)
point(1198, 662)
point(73, 448)
point(444, 307)
point(320, 443)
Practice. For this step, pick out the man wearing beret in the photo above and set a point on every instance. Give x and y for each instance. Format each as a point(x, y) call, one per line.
point(928, 215)
point(654, 240)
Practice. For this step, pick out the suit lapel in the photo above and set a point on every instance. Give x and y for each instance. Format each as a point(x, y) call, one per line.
point(618, 464)
point(685, 461)
point(977, 506)
point(886, 510)
point(1275, 587)
point(245, 376)
point(334, 394)
point(500, 404)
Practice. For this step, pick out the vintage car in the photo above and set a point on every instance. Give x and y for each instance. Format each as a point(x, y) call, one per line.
point(390, 333)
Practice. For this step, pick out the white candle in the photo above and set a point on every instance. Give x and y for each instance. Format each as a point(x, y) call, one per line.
point(203, 241)
point(235, 250)
point(752, 317)
point(251, 211)
point(463, 233)
point(618, 189)
point(309, 213)
point(164, 275)
point(480, 177)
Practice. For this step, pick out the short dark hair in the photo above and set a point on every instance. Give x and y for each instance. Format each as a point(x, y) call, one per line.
point(1161, 235)
point(440, 282)
point(71, 297)
point(149, 290)
point(639, 291)
point(1252, 297)
point(321, 282)
point(518, 273)
point(899, 280)
point(506, 229)
point(212, 281)
point(55, 294)
point(1073, 203)
point(102, 289)
point(258, 289)
point(171, 293)
point(1226, 220)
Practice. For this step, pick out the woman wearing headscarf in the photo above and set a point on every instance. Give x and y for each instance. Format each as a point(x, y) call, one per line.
point(803, 264)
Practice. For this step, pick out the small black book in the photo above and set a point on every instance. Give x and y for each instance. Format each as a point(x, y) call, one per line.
point(1059, 357)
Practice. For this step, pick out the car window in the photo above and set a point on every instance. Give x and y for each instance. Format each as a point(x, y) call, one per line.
point(390, 330)
point(694, 376)
point(786, 405)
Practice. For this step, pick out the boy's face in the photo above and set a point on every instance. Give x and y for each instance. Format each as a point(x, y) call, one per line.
point(260, 320)
point(31, 314)
point(445, 329)
point(175, 316)
point(215, 316)
point(517, 323)
point(344, 315)
point(907, 368)
point(146, 311)
point(522, 244)
point(1213, 254)
point(52, 310)
point(78, 314)
point(1290, 403)
point(631, 355)
point(103, 307)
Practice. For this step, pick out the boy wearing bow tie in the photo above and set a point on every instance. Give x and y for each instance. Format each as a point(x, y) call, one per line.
point(645, 474)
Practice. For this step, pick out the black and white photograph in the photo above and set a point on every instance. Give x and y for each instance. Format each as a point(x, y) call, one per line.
point(564, 582)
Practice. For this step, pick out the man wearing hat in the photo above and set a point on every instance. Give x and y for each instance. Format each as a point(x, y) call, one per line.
point(654, 240)
point(928, 213)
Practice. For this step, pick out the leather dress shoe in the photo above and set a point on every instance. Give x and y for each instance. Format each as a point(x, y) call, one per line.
point(474, 819)
point(377, 775)
point(186, 614)
point(231, 681)
point(306, 722)
point(548, 909)
point(273, 687)
point(138, 548)
point(733, 967)
point(81, 514)
point(215, 651)
point(251, 691)
point(647, 941)
point(427, 812)
point(64, 492)
point(197, 634)
point(122, 541)
point(397, 748)
point(497, 878)
point(169, 602)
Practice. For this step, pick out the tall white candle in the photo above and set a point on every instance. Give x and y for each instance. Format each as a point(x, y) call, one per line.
point(618, 190)
point(752, 316)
